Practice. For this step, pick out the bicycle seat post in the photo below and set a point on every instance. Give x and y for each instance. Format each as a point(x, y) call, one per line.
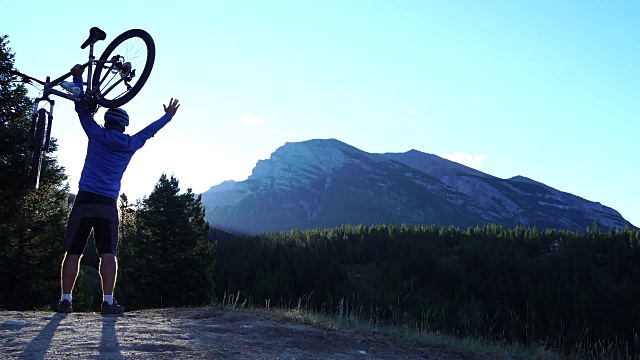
point(90, 67)
point(95, 35)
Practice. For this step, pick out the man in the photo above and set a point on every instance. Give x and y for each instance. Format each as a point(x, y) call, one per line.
point(108, 154)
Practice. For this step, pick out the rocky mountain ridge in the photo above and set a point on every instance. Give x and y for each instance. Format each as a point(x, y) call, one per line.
point(327, 183)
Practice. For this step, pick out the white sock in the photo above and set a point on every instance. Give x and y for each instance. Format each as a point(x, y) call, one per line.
point(108, 299)
point(66, 297)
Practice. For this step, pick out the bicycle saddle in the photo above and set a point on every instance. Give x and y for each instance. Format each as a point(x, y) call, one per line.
point(95, 35)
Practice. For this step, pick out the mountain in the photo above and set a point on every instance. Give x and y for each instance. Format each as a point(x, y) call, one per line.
point(327, 183)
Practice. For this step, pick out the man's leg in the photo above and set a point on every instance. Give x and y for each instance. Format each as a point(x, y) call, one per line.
point(75, 240)
point(108, 273)
point(106, 236)
point(69, 272)
point(68, 276)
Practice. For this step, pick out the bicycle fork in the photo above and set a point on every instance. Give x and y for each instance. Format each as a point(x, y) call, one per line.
point(41, 129)
point(41, 121)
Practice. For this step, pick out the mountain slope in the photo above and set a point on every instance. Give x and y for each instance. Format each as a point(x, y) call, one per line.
point(327, 183)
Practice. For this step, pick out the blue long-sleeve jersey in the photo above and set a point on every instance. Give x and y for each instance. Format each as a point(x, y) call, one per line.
point(109, 152)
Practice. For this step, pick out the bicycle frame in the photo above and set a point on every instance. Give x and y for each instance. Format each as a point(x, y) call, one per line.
point(49, 85)
point(48, 90)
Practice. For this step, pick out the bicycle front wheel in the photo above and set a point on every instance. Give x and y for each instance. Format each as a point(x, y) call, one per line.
point(36, 148)
point(123, 68)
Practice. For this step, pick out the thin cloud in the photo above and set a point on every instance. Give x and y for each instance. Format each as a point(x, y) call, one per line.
point(249, 120)
point(411, 112)
point(472, 161)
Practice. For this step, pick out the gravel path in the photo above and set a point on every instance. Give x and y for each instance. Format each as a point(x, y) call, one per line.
point(200, 333)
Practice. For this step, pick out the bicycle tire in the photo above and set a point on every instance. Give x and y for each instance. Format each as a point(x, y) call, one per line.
point(36, 149)
point(148, 65)
point(34, 123)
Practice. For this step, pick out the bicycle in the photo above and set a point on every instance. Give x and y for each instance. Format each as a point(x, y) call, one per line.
point(111, 82)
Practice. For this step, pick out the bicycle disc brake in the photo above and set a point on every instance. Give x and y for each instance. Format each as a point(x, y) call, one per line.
point(123, 69)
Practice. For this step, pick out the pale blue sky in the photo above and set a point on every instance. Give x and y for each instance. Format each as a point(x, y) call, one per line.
point(544, 89)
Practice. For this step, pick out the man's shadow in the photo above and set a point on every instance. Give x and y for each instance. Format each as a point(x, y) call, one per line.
point(109, 341)
point(38, 347)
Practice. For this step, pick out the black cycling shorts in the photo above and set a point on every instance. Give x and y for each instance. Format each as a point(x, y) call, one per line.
point(92, 212)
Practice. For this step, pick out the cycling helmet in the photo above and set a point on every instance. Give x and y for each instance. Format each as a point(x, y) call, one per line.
point(118, 115)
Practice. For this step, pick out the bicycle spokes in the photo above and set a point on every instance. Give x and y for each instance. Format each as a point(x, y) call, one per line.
point(118, 68)
point(119, 72)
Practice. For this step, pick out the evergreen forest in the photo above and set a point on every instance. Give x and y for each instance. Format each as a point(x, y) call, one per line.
point(489, 282)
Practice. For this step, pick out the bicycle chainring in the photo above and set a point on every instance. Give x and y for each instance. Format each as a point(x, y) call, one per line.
point(89, 106)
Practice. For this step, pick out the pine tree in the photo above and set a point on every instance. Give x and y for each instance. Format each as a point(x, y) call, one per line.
point(126, 260)
point(172, 260)
point(32, 222)
point(14, 136)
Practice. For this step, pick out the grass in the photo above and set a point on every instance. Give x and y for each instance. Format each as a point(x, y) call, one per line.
point(404, 330)
point(410, 332)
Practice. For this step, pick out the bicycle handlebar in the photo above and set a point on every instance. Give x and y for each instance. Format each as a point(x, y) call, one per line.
point(48, 88)
point(29, 78)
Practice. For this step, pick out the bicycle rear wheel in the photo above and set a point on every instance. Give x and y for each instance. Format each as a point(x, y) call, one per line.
point(123, 68)
point(36, 148)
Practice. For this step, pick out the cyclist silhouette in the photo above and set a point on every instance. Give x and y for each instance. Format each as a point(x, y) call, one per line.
point(95, 208)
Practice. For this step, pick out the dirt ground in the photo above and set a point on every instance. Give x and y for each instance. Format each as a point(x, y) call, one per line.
point(202, 333)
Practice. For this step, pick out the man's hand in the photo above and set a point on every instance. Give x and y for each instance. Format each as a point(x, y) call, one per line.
point(172, 108)
point(77, 70)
